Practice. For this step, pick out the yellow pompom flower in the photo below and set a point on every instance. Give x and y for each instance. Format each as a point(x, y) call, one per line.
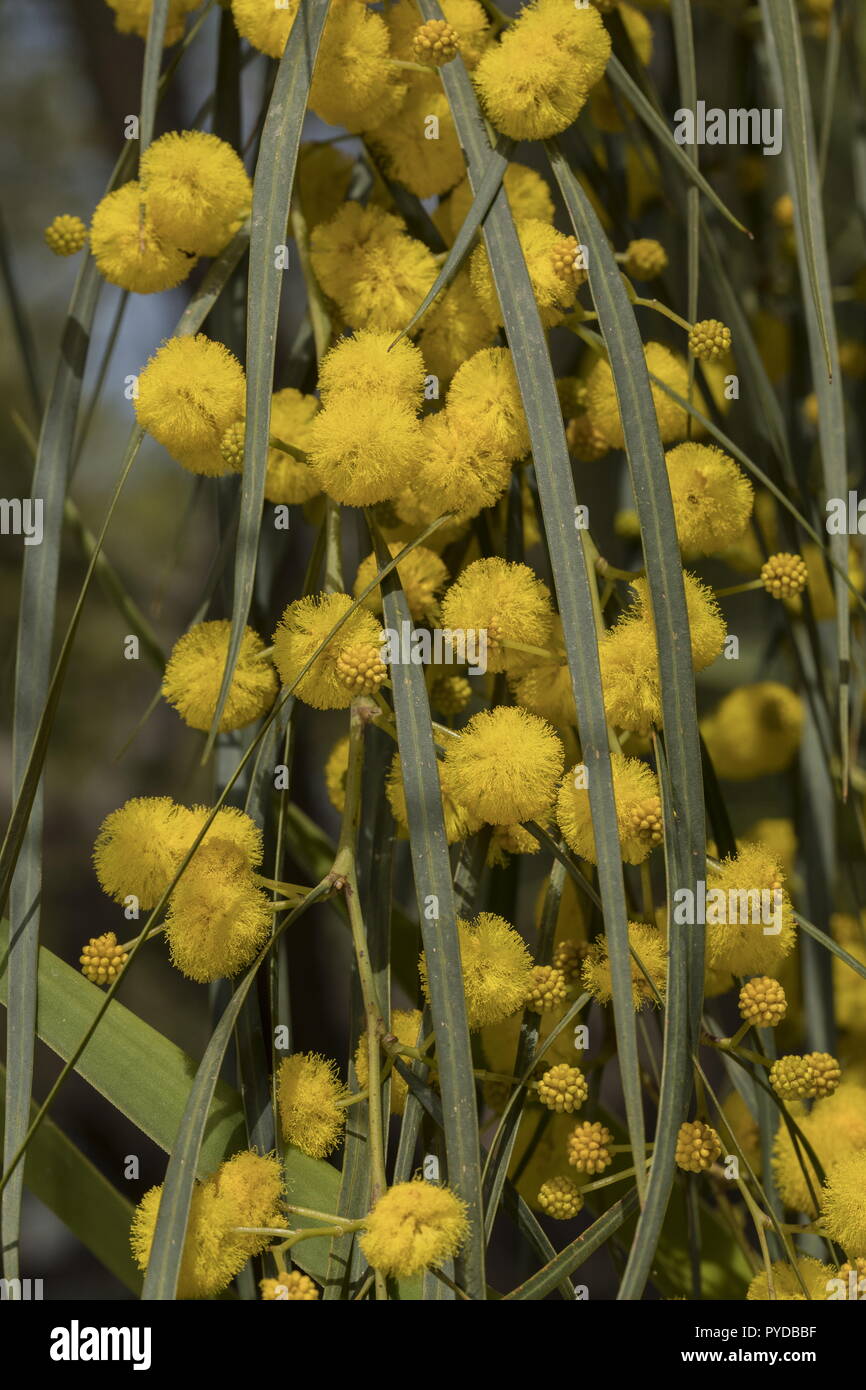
point(102, 959)
point(560, 1198)
point(505, 765)
point(458, 821)
point(466, 17)
point(405, 1027)
point(133, 17)
point(450, 694)
point(189, 393)
point(426, 167)
point(413, 1226)
point(368, 362)
point(196, 189)
point(301, 631)
point(195, 670)
point(762, 1002)
point(139, 847)
point(709, 340)
point(353, 81)
point(563, 1088)
point(784, 575)
point(264, 24)
point(484, 394)
point(835, 1127)
point(308, 1090)
point(842, 1204)
point(127, 248)
point(527, 192)
point(650, 946)
point(336, 769)
point(588, 1147)
point(638, 810)
point(508, 602)
point(787, 1288)
point(549, 259)
point(754, 731)
point(232, 824)
point(712, 498)
point(547, 690)
point(645, 259)
point(364, 448)
point(750, 919)
point(698, 1146)
point(422, 575)
point(289, 479)
point(454, 470)
point(668, 367)
point(246, 1190)
point(496, 966)
point(218, 918)
point(292, 1286)
point(375, 274)
point(66, 235)
point(707, 628)
point(454, 328)
point(628, 659)
point(536, 81)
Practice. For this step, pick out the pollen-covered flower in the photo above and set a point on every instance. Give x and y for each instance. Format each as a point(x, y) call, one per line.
point(189, 393)
point(128, 249)
point(834, 1127)
point(750, 919)
point(649, 946)
point(588, 1147)
point(784, 575)
point(459, 823)
point(264, 24)
point(102, 959)
point(509, 603)
point(554, 282)
point(842, 1204)
point(413, 1226)
point(563, 1088)
point(484, 394)
point(133, 17)
point(290, 479)
point(496, 966)
point(707, 628)
point(638, 809)
point(645, 259)
point(754, 731)
point(373, 362)
point(560, 1198)
point(712, 498)
point(308, 1091)
point(218, 917)
point(65, 235)
point(814, 1277)
point(293, 1286)
point(302, 630)
point(527, 192)
point(246, 1190)
point(455, 470)
point(535, 82)
point(195, 670)
point(698, 1146)
point(139, 847)
point(364, 448)
point(505, 765)
point(669, 368)
point(405, 1027)
point(763, 1002)
point(196, 189)
point(709, 340)
point(422, 576)
point(425, 166)
point(454, 328)
point(375, 273)
point(353, 80)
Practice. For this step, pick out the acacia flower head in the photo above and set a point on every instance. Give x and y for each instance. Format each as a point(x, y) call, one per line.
point(549, 257)
point(802, 1078)
point(422, 576)
point(712, 497)
point(65, 235)
point(671, 370)
point(709, 340)
point(374, 272)
point(787, 1287)
point(133, 17)
point(308, 1090)
point(484, 394)
point(784, 575)
point(750, 928)
point(128, 249)
point(353, 81)
point(645, 259)
point(459, 823)
point(265, 25)
point(435, 42)
point(456, 470)
point(196, 189)
point(505, 765)
point(762, 1002)
point(698, 1146)
point(650, 947)
point(368, 362)
point(834, 1127)
point(563, 1088)
point(302, 630)
point(508, 602)
point(842, 1205)
point(290, 479)
point(218, 918)
point(189, 393)
point(413, 1226)
point(291, 1287)
point(496, 966)
point(139, 847)
point(638, 809)
point(588, 1147)
point(102, 959)
point(195, 670)
point(364, 448)
point(560, 1198)
point(547, 988)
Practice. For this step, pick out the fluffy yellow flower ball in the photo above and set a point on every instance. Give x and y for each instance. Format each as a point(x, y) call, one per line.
point(195, 670)
point(754, 731)
point(454, 470)
point(375, 274)
point(638, 810)
point(303, 627)
point(712, 498)
point(133, 17)
point(218, 918)
point(842, 1203)
point(246, 1190)
point(484, 394)
point(264, 24)
point(458, 821)
point(139, 847)
point(127, 248)
point(354, 84)
point(527, 192)
point(422, 576)
point(196, 188)
point(668, 367)
point(413, 1226)
point(364, 448)
point(649, 945)
point(425, 166)
point(787, 1287)
point(454, 328)
point(189, 393)
point(549, 259)
point(308, 1089)
point(289, 479)
point(835, 1127)
point(505, 765)
point(509, 603)
point(750, 929)
point(496, 966)
point(373, 362)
